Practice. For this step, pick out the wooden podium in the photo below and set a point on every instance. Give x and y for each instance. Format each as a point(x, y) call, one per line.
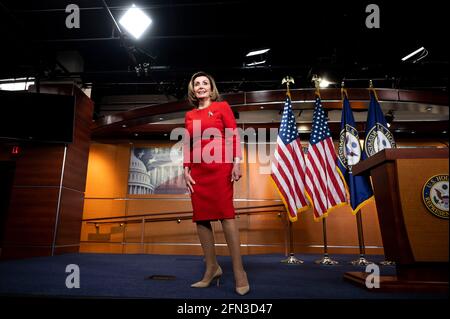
point(413, 237)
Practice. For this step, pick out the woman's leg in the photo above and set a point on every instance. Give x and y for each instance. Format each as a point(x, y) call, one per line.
point(206, 236)
point(231, 232)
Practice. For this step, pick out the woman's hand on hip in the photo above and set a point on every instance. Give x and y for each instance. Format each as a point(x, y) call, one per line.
point(236, 172)
point(188, 179)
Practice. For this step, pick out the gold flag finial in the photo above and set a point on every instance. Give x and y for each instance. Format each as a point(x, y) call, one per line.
point(316, 81)
point(287, 80)
point(343, 90)
point(371, 84)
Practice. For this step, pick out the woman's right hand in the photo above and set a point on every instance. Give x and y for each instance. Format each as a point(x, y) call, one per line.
point(188, 179)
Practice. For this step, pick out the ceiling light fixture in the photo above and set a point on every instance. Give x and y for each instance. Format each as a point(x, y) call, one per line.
point(422, 50)
point(256, 58)
point(135, 21)
point(19, 84)
point(323, 83)
point(257, 52)
point(256, 63)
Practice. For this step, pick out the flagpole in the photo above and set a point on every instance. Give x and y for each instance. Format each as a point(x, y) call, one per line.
point(384, 262)
point(326, 260)
point(291, 259)
point(361, 261)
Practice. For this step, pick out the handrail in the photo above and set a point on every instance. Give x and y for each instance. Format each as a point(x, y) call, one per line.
point(163, 219)
point(143, 219)
point(171, 213)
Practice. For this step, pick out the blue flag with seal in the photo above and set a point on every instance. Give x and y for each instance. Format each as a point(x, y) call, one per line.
point(378, 137)
point(349, 154)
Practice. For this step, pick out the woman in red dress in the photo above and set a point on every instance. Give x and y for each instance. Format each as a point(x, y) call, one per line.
point(212, 157)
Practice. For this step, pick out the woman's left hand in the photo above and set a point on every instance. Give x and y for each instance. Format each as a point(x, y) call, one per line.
point(236, 172)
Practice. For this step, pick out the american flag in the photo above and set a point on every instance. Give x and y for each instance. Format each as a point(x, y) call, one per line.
point(324, 186)
point(288, 166)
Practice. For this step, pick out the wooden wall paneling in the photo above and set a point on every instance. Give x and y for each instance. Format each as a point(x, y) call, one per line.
point(31, 218)
point(71, 249)
point(69, 225)
point(175, 250)
point(267, 231)
point(18, 252)
point(134, 232)
point(183, 232)
point(39, 165)
point(77, 161)
point(94, 208)
point(86, 229)
point(260, 183)
point(107, 174)
point(102, 248)
point(78, 151)
point(152, 204)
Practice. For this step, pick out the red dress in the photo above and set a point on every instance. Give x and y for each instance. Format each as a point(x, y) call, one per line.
point(209, 149)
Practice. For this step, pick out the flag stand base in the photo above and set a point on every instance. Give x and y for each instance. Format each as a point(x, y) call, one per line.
point(361, 261)
point(292, 260)
point(326, 261)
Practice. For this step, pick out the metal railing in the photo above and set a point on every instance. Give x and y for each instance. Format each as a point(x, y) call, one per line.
point(143, 219)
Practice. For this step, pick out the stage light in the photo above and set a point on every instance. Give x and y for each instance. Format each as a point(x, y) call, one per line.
point(18, 84)
point(135, 21)
point(256, 63)
point(257, 52)
point(422, 55)
point(257, 58)
point(324, 83)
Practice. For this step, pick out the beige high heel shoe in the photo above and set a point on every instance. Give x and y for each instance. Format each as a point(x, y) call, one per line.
point(244, 289)
point(204, 284)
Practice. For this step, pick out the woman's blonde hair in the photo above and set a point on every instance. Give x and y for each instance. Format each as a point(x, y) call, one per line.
point(215, 96)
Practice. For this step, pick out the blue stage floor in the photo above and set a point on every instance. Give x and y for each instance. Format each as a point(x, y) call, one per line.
point(126, 276)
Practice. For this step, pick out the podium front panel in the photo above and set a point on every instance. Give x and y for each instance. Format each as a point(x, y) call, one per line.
point(427, 233)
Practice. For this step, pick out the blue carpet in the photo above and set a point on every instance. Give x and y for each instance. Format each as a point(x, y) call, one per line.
point(126, 276)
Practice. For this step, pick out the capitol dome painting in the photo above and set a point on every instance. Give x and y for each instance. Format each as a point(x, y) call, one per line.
point(156, 170)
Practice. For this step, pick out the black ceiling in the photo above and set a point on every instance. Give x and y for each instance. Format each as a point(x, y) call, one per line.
point(325, 38)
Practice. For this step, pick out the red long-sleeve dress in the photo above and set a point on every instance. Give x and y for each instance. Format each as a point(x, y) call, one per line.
point(211, 144)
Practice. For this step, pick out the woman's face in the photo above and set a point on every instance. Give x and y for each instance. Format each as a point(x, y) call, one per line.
point(202, 87)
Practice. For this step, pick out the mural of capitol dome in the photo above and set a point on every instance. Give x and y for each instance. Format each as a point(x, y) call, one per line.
point(138, 177)
point(156, 170)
